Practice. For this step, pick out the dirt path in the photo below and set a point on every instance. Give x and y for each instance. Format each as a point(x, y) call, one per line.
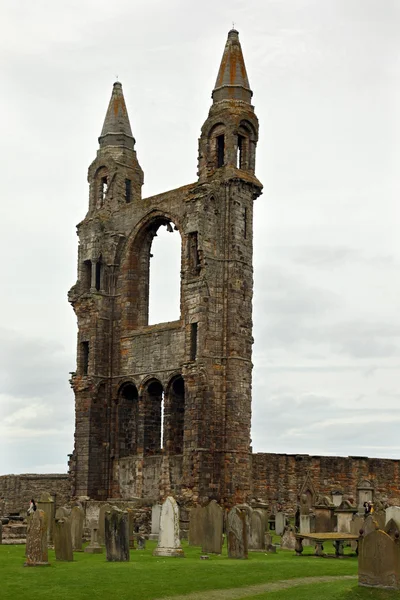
point(252, 590)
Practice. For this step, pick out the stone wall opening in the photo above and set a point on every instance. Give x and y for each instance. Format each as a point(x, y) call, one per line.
point(174, 416)
point(152, 417)
point(127, 420)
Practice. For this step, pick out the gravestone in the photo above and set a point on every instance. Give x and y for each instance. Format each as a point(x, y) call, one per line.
point(380, 518)
point(155, 521)
point(36, 540)
point(62, 513)
point(356, 524)
point(103, 509)
point(393, 512)
point(344, 519)
point(46, 504)
point(288, 539)
point(94, 546)
point(196, 517)
point(131, 528)
point(268, 545)
point(379, 561)
point(212, 518)
point(237, 533)
point(370, 524)
point(76, 520)
point(392, 529)
point(365, 491)
point(168, 540)
point(63, 539)
point(257, 531)
point(280, 523)
point(141, 542)
point(116, 533)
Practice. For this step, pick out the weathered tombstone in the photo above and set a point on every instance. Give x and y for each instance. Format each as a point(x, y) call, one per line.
point(168, 541)
point(94, 546)
point(155, 521)
point(46, 504)
point(256, 539)
point(196, 517)
point(288, 539)
point(141, 542)
point(36, 540)
point(62, 513)
point(323, 511)
point(237, 533)
point(131, 527)
point(63, 539)
point(393, 512)
point(116, 532)
point(268, 545)
point(365, 491)
point(370, 524)
point(379, 561)
point(213, 521)
point(280, 523)
point(305, 527)
point(392, 529)
point(76, 519)
point(337, 498)
point(380, 518)
point(103, 509)
point(344, 514)
point(356, 524)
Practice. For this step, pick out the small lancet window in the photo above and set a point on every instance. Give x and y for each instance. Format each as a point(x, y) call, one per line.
point(194, 258)
point(85, 357)
point(128, 191)
point(240, 163)
point(99, 269)
point(193, 341)
point(220, 151)
point(87, 275)
point(103, 188)
point(245, 223)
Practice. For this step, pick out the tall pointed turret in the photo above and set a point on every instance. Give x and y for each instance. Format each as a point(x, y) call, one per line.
point(227, 145)
point(116, 128)
point(232, 81)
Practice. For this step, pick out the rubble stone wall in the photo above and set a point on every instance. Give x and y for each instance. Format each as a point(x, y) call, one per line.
point(17, 490)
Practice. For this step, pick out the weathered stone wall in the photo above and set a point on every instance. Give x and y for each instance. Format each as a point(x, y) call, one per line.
point(17, 490)
point(277, 478)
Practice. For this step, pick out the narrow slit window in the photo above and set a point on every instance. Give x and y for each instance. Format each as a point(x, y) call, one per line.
point(128, 190)
point(193, 341)
point(245, 223)
point(220, 150)
point(87, 275)
point(85, 357)
point(194, 258)
point(98, 275)
point(103, 189)
point(240, 153)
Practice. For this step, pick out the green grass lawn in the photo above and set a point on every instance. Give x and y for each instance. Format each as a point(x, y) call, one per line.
point(146, 577)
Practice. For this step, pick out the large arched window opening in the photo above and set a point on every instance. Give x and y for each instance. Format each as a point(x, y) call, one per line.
point(153, 397)
point(174, 416)
point(136, 275)
point(165, 280)
point(127, 416)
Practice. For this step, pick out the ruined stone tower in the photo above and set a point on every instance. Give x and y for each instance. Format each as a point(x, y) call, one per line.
point(196, 371)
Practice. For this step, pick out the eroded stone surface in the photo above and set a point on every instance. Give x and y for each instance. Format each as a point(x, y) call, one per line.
point(63, 539)
point(117, 535)
point(237, 533)
point(36, 539)
point(379, 560)
point(168, 541)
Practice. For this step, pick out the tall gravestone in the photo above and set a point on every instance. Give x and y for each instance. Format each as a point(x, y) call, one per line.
point(46, 504)
point(131, 528)
point(63, 539)
point(36, 540)
point(256, 539)
point(237, 533)
point(155, 521)
point(280, 523)
point(94, 546)
point(168, 540)
point(213, 522)
point(379, 561)
point(76, 520)
point(102, 512)
point(196, 518)
point(288, 539)
point(116, 533)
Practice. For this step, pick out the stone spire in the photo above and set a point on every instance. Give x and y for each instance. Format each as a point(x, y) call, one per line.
point(117, 129)
point(232, 81)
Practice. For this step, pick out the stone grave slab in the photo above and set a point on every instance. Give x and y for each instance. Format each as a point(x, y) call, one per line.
point(168, 540)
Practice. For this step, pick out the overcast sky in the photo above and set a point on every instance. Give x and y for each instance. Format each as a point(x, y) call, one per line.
point(326, 82)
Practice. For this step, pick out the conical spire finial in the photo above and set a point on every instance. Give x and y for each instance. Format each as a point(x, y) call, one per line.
point(117, 129)
point(232, 81)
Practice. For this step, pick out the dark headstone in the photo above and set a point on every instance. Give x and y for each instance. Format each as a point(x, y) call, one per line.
point(63, 539)
point(76, 520)
point(237, 533)
point(116, 535)
point(196, 517)
point(213, 521)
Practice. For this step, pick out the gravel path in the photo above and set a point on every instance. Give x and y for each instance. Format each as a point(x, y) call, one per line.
point(252, 590)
